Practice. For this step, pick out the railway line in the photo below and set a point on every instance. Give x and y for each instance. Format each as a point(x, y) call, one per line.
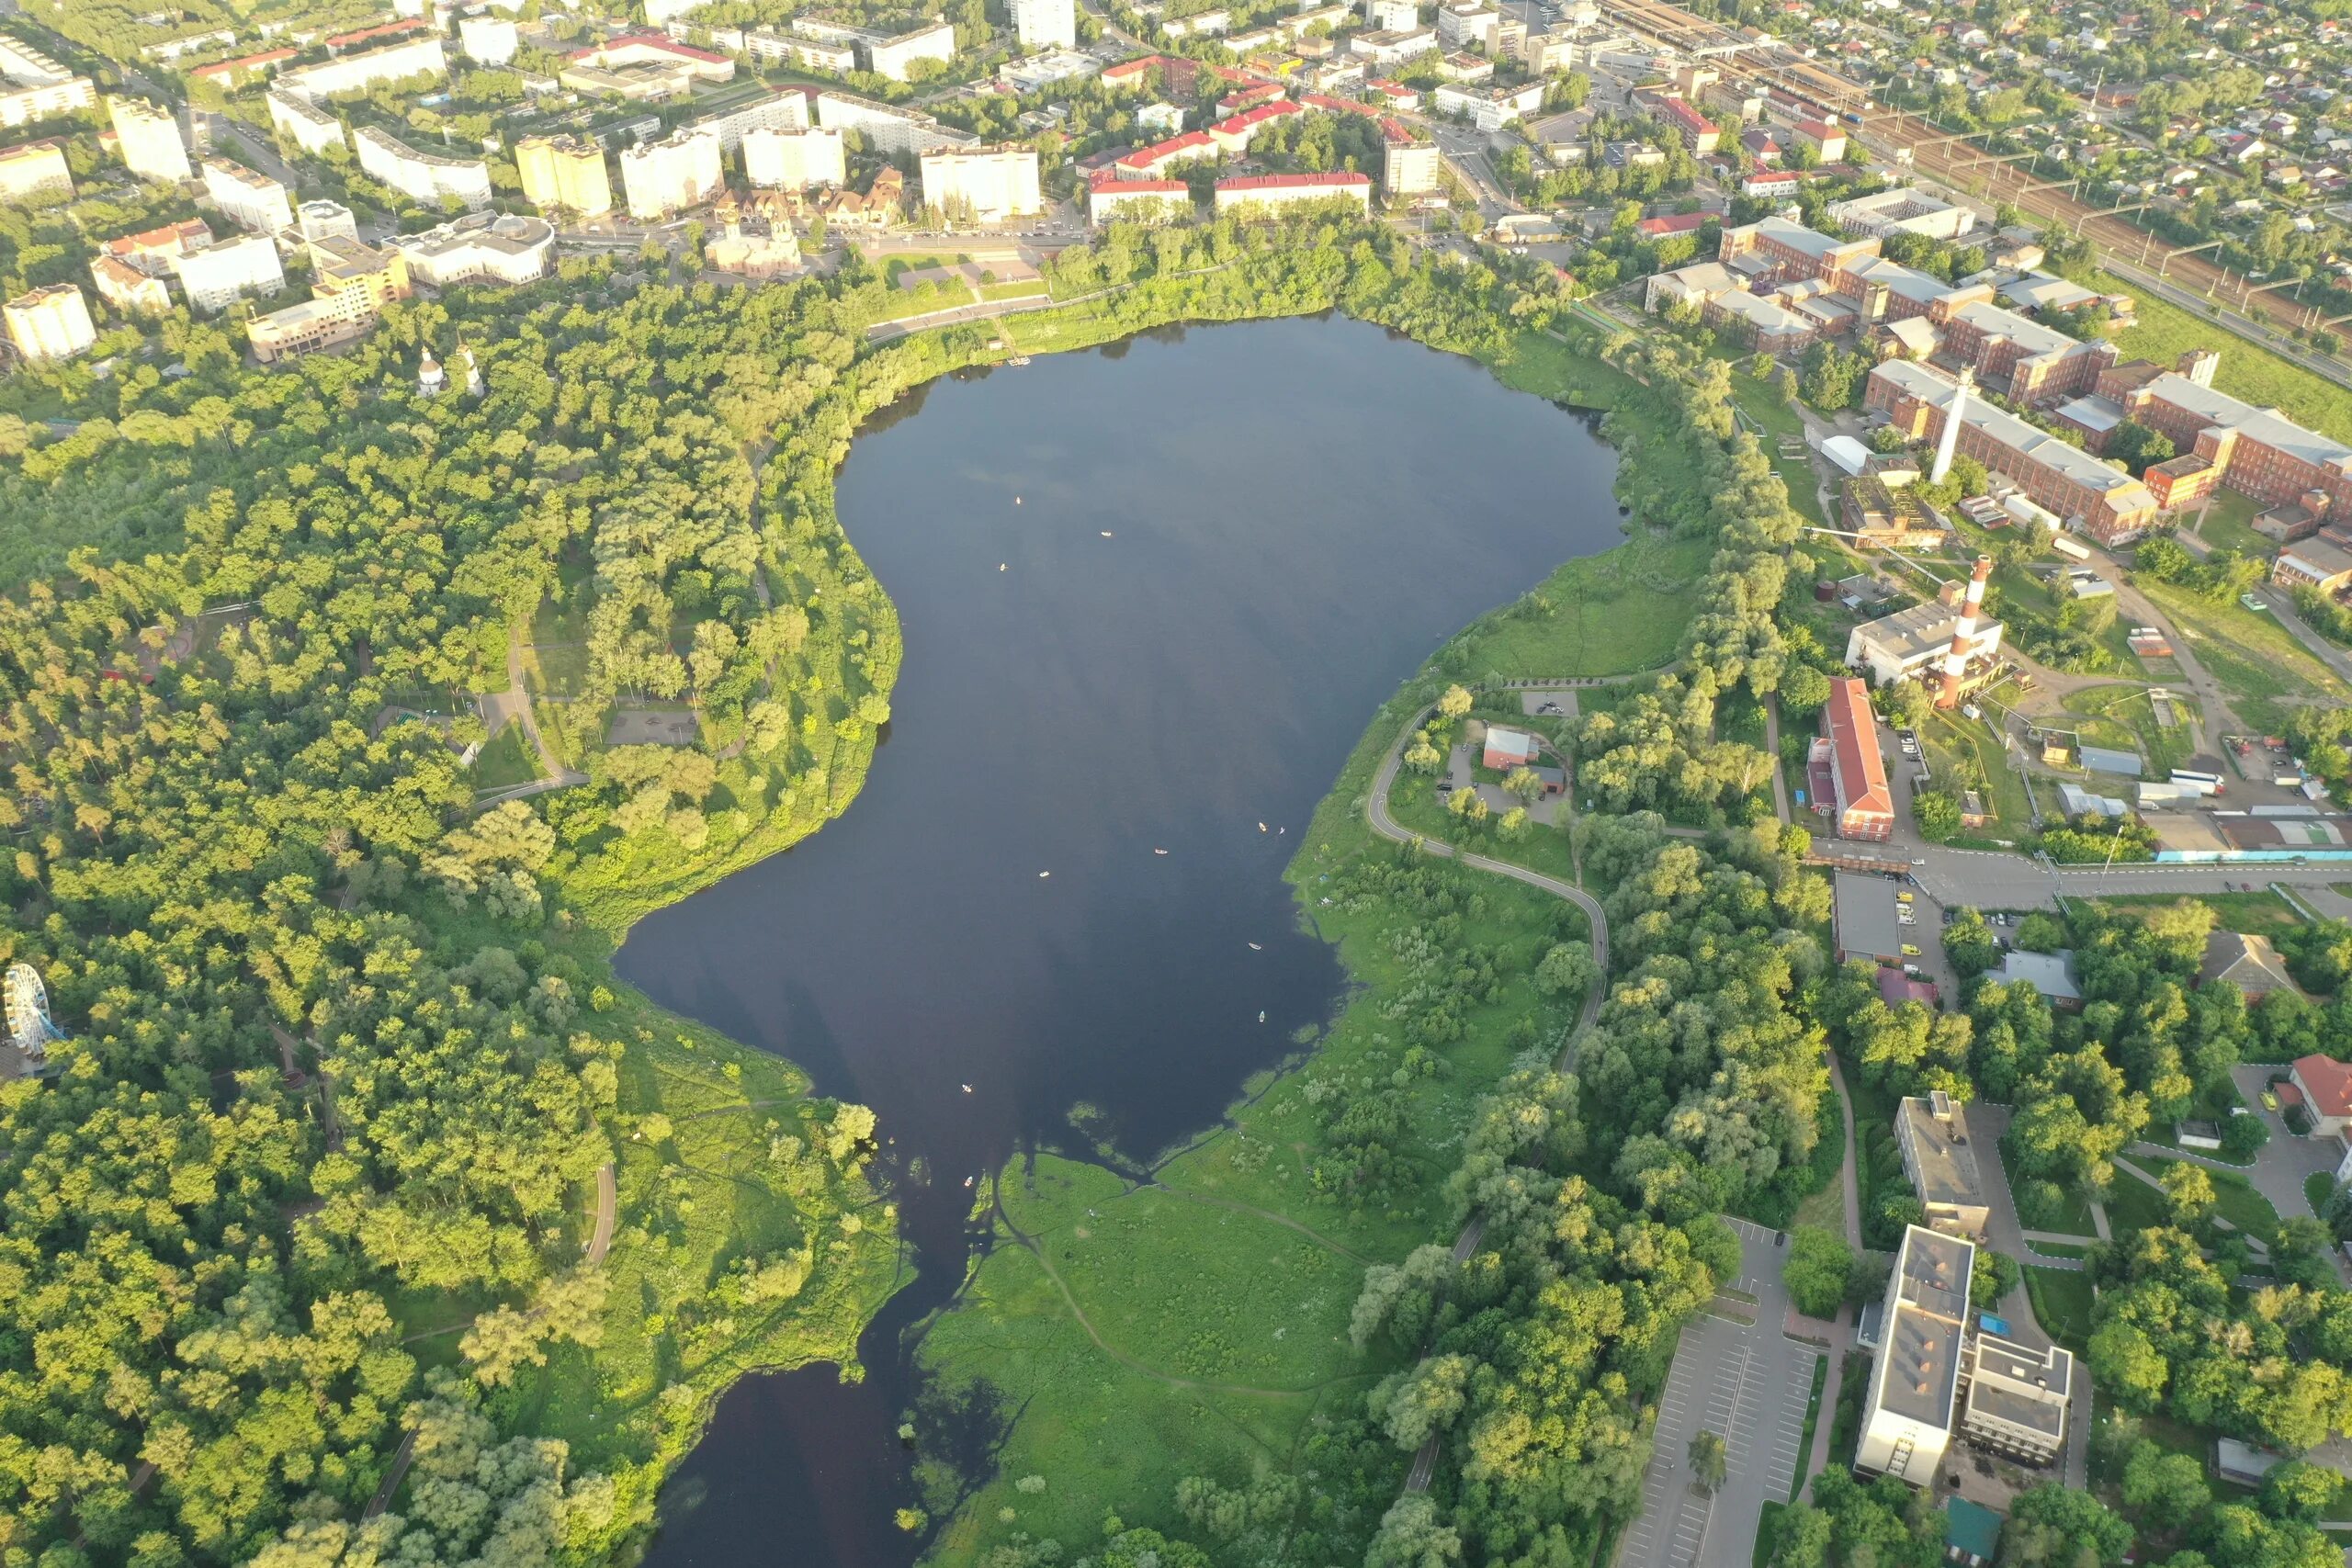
point(1953, 161)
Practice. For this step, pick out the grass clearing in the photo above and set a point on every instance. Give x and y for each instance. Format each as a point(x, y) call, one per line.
point(2319, 1190)
point(2062, 1300)
point(2162, 332)
point(2125, 717)
point(2266, 671)
point(505, 760)
point(1612, 613)
point(2227, 522)
point(2254, 914)
point(2234, 1198)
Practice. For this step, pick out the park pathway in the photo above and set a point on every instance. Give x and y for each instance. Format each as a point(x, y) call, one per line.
point(1377, 816)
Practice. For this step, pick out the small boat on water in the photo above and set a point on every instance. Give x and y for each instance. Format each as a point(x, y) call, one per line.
point(1017, 359)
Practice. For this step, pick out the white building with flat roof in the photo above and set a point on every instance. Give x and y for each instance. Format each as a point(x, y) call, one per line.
point(37, 87)
point(480, 247)
point(1046, 24)
point(216, 275)
point(486, 39)
point(985, 186)
point(893, 131)
point(421, 175)
point(36, 168)
point(147, 138)
point(1907, 1414)
point(681, 171)
point(421, 55)
point(252, 199)
point(787, 110)
point(324, 219)
point(1941, 1160)
point(1489, 108)
point(50, 323)
point(795, 160)
point(890, 58)
point(307, 126)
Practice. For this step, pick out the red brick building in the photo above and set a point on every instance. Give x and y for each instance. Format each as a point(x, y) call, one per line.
point(1848, 774)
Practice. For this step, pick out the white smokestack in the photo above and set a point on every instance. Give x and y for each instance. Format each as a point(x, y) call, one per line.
point(1947, 443)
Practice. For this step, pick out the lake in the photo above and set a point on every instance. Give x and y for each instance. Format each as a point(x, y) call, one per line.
point(1151, 596)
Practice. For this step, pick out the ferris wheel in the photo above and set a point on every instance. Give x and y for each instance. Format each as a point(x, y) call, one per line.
point(31, 1028)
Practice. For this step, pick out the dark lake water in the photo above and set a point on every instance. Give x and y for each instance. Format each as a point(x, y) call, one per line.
point(1297, 512)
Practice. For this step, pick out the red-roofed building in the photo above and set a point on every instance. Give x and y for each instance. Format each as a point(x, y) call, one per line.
point(1153, 162)
point(1334, 106)
point(1848, 774)
point(1699, 133)
point(369, 35)
point(1178, 76)
point(243, 68)
point(1244, 97)
point(1772, 183)
point(153, 250)
point(1396, 95)
point(1272, 190)
point(1233, 135)
point(1109, 198)
point(2323, 1087)
point(1895, 988)
point(1670, 225)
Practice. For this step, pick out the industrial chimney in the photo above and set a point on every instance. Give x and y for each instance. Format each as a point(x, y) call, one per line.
point(1949, 442)
point(1963, 634)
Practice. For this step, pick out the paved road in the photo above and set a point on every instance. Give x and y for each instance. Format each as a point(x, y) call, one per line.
point(1746, 1383)
point(1375, 812)
point(600, 1241)
point(1992, 879)
point(2283, 609)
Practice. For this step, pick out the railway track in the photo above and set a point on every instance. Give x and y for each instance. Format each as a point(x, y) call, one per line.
point(1950, 162)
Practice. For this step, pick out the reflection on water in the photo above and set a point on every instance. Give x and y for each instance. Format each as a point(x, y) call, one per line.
point(1147, 607)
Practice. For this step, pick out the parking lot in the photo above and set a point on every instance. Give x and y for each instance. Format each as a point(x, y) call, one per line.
point(1748, 1383)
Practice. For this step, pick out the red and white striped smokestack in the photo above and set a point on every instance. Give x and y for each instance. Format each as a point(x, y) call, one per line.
point(1964, 634)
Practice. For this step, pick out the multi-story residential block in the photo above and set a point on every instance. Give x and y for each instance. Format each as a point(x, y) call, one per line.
point(785, 110)
point(351, 282)
point(417, 56)
point(216, 275)
point(892, 58)
point(1385, 47)
point(1907, 1413)
point(127, 290)
point(230, 75)
point(808, 54)
point(986, 186)
point(1153, 163)
point(2013, 1398)
point(147, 138)
point(795, 160)
point(1110, 199)
point(50, 323)
point(564, 173)
point(35, 88)
point(155, 251)
point(326, 219)
point(423, 175)
point(1469, 24)
point(480, 247)
point(893, 132)
point(37, 169)
point(1392, 15)
point(303, 123)
point(1489, 108)
point(1234, 134)
point(1251, 191)
point(1046, 24)
point(1410, 162)
point(250, 199)
point(488, 38)
point(681, 171)
point(1941, 1160)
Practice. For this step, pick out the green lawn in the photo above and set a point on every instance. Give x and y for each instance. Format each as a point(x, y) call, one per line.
point(1805, 1439)
point(2061, 1300)
point(2318, 1189)
point(2162, 332)
point(1612, 613)
point(1959, 749)
point(2123, 716)
point(2227, 524)
point(2264, 668)
point(2133, 1205)
point(1029, 288)
point(2234, 1198)
point(506, 760)
point(2256, 914)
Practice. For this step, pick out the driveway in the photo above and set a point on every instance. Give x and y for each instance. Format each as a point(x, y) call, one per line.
point(2285, 1161)
point(1748, 1383)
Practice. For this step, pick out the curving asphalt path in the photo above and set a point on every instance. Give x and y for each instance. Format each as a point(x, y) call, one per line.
point(1375, 815)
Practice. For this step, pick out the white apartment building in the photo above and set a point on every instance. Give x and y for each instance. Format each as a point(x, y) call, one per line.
point(1461, 26)
point(1937, 1155)
point(1393, 46)
point(309, 128)
point(32, 169)
point(1248, 191)
point(1489, 108)
point(480, 247)
point(147, 138)
point(216, 275)
point(326, 220)
point(50, 323)
point(421, 175)
point(1409, 168)
point(1046, 24)
point(889, 58)
point(808, 54)
point(1392, 15)
point(682, 169)
point(795, 160)
point(418, 56)
point(252, 200)
point(787, 110)
point(893, 132)
point(127, 290)
point(37, 86)
point(1914, 1381)
point(490, 40)
point(986, 186)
